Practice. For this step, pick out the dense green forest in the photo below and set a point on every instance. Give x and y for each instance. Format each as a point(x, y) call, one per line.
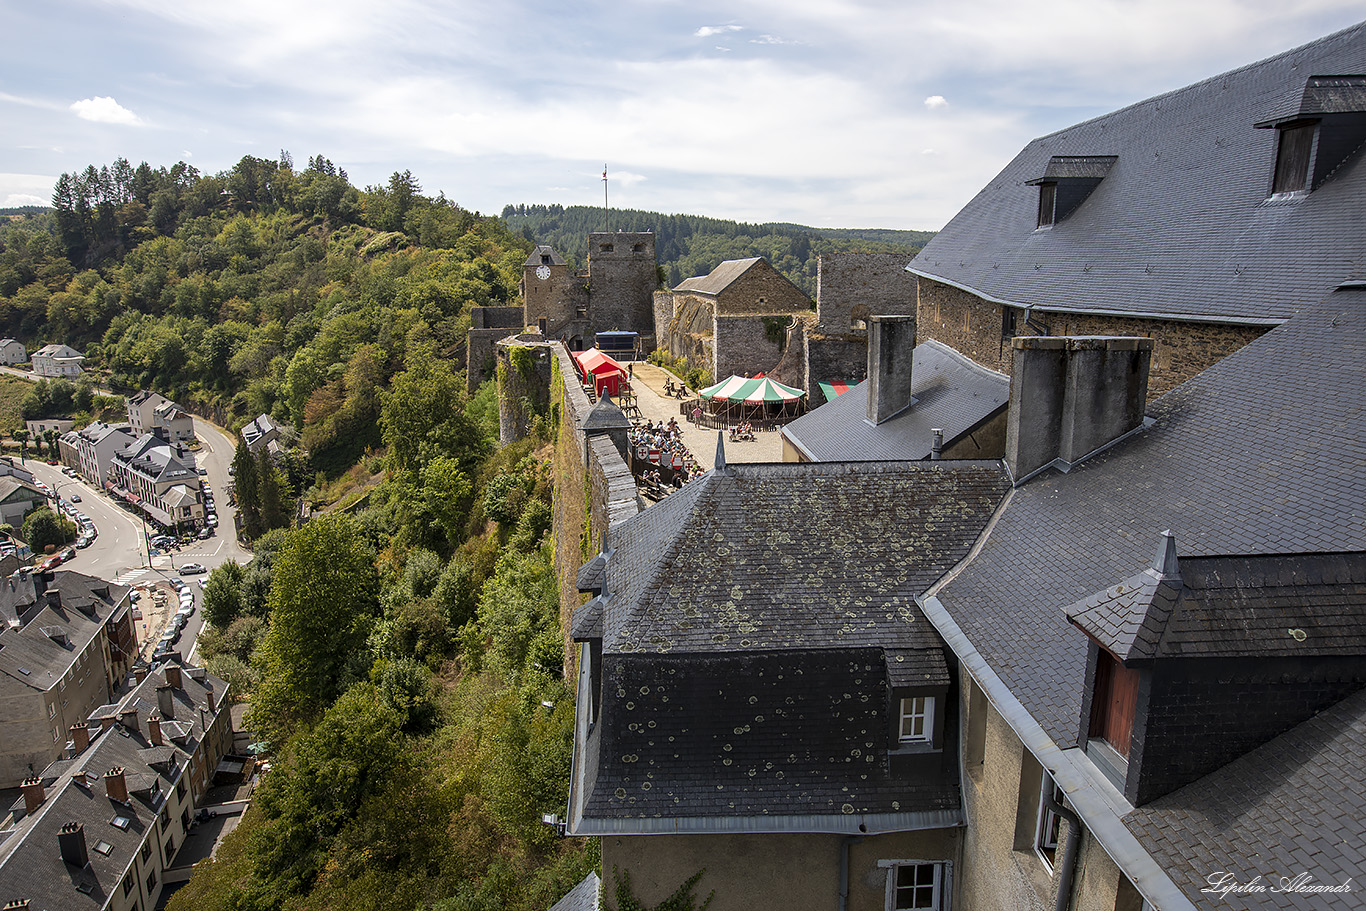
point(401, 651)
point(688, 245)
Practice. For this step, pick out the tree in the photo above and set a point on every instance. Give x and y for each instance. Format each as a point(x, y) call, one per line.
point(223, 595)
point(43, 528)
point(248, 490)
point(324, 597)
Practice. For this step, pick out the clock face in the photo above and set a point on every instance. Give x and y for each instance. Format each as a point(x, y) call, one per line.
point(542, 272)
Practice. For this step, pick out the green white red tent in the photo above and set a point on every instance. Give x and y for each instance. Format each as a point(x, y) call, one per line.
point(751, 391)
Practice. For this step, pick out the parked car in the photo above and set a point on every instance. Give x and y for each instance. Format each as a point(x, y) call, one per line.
point(211, 520)
point(205, 533)
point(75, 498)
point(190, 569)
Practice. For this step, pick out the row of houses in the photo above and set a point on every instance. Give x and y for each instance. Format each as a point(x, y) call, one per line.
point(1065, 605)
point(100, 826)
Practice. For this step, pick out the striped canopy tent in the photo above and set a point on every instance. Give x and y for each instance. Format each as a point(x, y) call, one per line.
point(834, 390)
point(607, 374)
point(753, 399)
point(751, 391)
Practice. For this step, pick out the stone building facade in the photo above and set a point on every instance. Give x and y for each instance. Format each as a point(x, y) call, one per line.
point(982, 330)
point(487, 326)
point(616, 293)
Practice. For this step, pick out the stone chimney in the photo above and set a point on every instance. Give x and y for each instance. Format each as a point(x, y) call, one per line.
point(106, 722)
point(154, 729)
point(71, 839)
point(166, 700)
point(80, 737)
point(1072, 395)
point(173, 675)
point(33, 793)
point(129, 719)
point(212, 698)
point(54, 598)
point(115, 785)
point(139, 674)
point(891, 353)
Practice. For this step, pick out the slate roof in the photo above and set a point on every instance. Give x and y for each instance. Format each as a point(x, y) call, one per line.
point(1263, 453)
point(45, 639)
point(152, 456)
point(583, 897)
point(757, 734)
point(1294, 805)
point(952, 393)
point(791, 555)
point(720, 278)
point(1267, 606)
point(751, 624)
point(605, 415)
point(30, 864)
point(543, 250)
point(1182, 225)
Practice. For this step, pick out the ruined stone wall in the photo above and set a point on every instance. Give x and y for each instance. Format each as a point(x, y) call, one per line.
point(973, 326)
point(524, 365)
point(593, 489)
point(852, 286)
point(623, 276)
point(511, 318)
point(664, 314)
point(480, 357)
point(791, 367)
point(691, 330)
point(762, 289)
point(833, 357)
point(745, 344)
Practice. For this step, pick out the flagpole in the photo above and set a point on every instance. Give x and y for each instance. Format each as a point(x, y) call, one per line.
point(606, 219)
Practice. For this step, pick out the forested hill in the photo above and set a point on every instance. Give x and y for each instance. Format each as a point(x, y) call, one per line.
point(688, 245)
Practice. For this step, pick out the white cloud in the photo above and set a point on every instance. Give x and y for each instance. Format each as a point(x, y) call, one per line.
point(103, 109)
point(936, 101)
point(15, 200)
point(772, 39)
point(708, 31)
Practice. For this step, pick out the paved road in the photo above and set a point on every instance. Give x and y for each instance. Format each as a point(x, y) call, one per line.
point(119, 553)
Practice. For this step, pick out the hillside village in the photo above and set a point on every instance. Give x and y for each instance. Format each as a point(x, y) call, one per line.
point(1048, 591)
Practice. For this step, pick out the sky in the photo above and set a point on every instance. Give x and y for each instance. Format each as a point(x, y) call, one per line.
point(828, 113)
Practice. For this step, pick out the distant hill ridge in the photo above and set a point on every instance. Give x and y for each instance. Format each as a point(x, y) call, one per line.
point(688, 245)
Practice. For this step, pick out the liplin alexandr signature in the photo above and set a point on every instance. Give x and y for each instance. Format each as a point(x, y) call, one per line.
point(1226, 884)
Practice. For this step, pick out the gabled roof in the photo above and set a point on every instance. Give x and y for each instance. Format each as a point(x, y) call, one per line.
point(794, 555)
point(719, 278)
point(542, 250)
point(57, 350)
point(952, 393)
point(1181, 226)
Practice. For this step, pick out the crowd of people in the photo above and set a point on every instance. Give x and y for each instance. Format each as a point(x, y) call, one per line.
point(661, 443)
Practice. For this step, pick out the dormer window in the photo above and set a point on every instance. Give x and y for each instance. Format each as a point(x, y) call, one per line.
point(917, 719)
point(1293, 156)
point(1066, 182)
point(1320, 134)
point(1048, 201)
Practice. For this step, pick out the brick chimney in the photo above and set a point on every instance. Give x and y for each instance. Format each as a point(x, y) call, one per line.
point(173, 675)
point(129, 719)
point(166, 700)
point(139, 674)
point(33, 793)
point(154, 729)
point(891, 353)
point(115, 785)
point(106, 722)
point(80, 737)
point(212, 698)
point(1072, 395)
point(71, 839)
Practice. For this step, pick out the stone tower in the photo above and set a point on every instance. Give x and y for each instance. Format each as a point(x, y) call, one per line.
point(623, 276)
point(550, 289)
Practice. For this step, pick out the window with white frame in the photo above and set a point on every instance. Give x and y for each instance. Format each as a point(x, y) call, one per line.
point(917, 719)
point(917, 884)
point(1049, 824)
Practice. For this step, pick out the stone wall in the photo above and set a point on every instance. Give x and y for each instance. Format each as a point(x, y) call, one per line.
point(663, 302)
point(524, 368)
point(511, 318)
point(833, 357)
point(623, 276)
point(852, 286)
point(743, 345)
point(974, 327)
point(691, 330)
point(594, 490)
point(762, 289)
point(480, 357)
point(556, 299)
